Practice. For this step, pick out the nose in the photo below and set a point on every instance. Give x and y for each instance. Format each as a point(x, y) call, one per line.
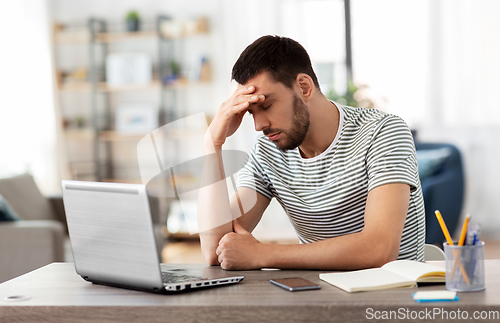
point(260, 121)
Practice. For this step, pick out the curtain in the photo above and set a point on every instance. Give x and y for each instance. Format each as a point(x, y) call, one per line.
point(465, 51)
point(28, 141)
point(437, 64)
point(463, 96)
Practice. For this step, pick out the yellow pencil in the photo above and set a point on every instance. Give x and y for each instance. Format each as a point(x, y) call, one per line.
point(460, 243)
point(464, 230)
point(443, 227)
point(450, 242)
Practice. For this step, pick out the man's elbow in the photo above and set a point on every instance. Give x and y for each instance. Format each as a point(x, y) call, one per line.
point(211, 258)
point(384, 253)
point(213, 261)
point(387, 257)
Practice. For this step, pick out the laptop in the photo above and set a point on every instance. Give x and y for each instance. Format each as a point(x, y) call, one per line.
point(113, 242)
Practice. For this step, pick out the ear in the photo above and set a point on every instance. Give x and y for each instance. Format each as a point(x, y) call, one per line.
point(305, 86)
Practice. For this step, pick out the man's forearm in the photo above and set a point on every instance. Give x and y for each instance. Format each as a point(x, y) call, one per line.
point(352, 251)
point(377, 244)
point(214, 214)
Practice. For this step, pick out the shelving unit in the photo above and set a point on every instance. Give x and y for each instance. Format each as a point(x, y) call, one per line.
point(95, 136)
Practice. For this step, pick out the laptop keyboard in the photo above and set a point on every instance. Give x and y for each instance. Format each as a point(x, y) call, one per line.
point(169, 278)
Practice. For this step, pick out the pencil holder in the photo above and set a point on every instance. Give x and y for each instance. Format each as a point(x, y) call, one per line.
point(464, 267)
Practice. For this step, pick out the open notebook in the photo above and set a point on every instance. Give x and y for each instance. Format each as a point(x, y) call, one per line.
point(395, 274)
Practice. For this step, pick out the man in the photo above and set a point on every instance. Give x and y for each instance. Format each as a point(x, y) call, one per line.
point(346, 177)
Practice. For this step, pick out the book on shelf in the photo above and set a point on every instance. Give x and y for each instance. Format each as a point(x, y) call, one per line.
point(395, 274)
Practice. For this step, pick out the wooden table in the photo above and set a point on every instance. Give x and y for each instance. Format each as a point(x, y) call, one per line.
point(58, 294)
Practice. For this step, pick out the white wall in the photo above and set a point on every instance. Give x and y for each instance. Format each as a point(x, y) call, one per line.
point(28, 141)
point(437, 64)
point(463, 98)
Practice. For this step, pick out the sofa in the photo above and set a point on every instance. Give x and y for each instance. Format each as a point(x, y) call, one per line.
point(38, 238)
point(442, 178)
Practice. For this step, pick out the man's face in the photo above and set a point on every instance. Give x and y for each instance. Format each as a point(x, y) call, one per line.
point(282, 117)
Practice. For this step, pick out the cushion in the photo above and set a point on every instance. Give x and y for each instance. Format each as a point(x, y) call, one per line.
point(430, 161)
point(7, 213)
point(25, 197)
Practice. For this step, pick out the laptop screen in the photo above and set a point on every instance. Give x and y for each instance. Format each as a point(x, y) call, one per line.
point(111, 232)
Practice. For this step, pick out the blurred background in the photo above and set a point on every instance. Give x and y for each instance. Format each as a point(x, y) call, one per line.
point(82, 81)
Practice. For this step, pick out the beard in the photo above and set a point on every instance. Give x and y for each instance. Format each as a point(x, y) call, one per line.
point(295, 136)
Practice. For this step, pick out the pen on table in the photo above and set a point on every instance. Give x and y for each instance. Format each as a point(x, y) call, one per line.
point(460, 243)
point(450, 242)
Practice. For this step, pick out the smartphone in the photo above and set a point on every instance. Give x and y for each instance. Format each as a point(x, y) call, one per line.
point(294, 284)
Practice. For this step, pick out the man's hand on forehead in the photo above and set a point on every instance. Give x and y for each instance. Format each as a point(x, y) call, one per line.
point(248, 88)
point(248, 96)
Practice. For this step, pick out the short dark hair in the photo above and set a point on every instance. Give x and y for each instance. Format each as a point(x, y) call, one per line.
point(283, 58)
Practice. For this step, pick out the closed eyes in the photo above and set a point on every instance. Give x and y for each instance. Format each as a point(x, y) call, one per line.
point(263, 108)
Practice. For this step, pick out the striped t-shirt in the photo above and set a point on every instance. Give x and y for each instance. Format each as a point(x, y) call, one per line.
point(325, 196)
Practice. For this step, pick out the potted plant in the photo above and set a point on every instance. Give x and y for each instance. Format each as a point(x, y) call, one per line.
point(352, 97)
point(132, 21)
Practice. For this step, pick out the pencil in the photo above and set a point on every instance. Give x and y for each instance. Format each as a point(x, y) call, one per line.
point(461, 243)
point(464, 230)
point(450, 242)
point(443, 227)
